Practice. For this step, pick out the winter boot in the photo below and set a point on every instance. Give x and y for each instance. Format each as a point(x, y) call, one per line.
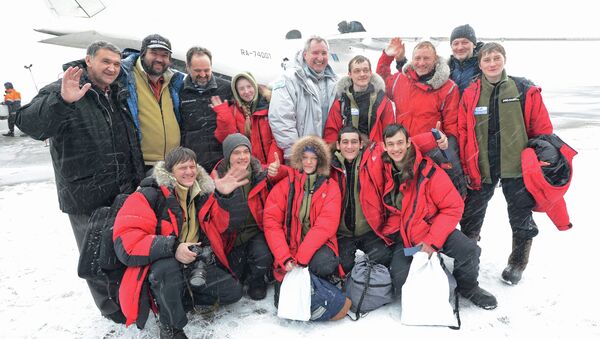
point(480, 298)
point(117, 317)
point(9, 134)
point(517, 261)
point(257, 292)
point(169, 332)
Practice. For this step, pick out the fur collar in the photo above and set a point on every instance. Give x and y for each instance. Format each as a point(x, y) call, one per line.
point(323, 154)
point(441, 75)
point(165, 178)
point(344, 84)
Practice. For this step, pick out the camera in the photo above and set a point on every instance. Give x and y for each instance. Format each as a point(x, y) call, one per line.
point(204, 257)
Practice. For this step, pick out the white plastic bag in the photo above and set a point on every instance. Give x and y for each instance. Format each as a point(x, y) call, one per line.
point(426, 293)
point(294, 295)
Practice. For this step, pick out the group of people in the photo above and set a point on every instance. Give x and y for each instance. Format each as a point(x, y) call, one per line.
point(234, 184)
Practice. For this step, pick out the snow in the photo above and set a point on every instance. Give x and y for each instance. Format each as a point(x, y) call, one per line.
point(42, 297)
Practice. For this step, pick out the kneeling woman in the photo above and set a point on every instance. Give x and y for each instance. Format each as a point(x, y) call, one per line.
point(423, 209)
point(303, 212)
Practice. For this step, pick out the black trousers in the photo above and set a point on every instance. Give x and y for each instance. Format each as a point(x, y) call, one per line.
point(104, 293)
point(369, 243)
point(252, 260)
point(168, 283)
point(520, 204)
point(465, 252)
point(12, 116)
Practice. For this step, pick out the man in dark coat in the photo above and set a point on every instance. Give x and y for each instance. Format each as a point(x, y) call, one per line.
point(198, 120)
point(93, 144)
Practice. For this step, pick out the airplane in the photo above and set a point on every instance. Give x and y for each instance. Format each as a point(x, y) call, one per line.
point(265, 58)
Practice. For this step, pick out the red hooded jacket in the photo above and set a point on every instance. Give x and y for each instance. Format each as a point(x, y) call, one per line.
point(420, 105)
point(230, 120)
point(384, 114)
point(137, 245)
point(430, 210)
point(549, 198)
point(325, 210)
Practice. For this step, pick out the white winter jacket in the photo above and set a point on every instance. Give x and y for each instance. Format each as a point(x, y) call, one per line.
point(295, 109)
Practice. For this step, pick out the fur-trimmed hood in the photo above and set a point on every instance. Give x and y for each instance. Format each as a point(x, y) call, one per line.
point(441, 75)
point(165, 178)
point(322, 151)
point(344, 84)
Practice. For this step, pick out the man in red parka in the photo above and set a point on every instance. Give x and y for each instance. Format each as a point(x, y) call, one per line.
point(424, 94)
point(172, 228)
point(423, 210)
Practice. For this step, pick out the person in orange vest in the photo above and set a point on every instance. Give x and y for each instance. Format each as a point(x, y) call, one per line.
point(12, 99)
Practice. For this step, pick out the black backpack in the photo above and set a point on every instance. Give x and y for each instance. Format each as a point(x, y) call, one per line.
point(97, 259)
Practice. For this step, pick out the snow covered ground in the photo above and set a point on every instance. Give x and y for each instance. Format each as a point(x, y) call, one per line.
point(42, 297)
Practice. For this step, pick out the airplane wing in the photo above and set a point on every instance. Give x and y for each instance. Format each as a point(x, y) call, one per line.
point(85, 38)
point(364, 41)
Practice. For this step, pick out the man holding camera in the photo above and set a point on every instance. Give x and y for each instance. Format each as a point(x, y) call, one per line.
point(170, 235)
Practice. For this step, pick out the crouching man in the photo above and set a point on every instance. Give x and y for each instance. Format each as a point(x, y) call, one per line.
point(248, 252)
point(170, 235)
point(423, 209)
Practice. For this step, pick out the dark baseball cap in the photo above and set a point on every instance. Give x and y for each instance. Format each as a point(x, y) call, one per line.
point(156, 41)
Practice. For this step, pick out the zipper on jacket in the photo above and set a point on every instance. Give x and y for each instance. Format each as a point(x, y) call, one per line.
point(108, 120)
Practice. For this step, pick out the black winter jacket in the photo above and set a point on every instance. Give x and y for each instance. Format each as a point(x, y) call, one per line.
point(95, 151)
point(199, 121)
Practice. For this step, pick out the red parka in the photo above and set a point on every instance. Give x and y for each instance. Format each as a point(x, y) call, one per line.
point(325, 210)
point(230, 120)
point(420, 105)
point(535, 116)
point(549, 198)
point(430, 210)
point(138, 245)
point(370, 178)
point(285, 240)
point(384, 111)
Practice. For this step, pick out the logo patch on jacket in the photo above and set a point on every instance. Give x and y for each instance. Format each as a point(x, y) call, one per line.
point(515, 99)
point(481, 110)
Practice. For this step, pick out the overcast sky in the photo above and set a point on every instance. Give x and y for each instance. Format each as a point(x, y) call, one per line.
point(248, 20)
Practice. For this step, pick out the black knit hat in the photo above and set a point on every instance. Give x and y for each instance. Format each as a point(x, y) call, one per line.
point(464, 31)
point(232, 141)
point(155, 41)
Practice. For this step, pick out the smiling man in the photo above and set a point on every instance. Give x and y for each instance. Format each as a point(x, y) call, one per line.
point(154, 97)
point(199, 120)
point(95, 151)
point(464, 67)
point(361, 102)
point(303, 96)
point(352, 167)
point(422, 210)
point(248, 253)
point(424, 94)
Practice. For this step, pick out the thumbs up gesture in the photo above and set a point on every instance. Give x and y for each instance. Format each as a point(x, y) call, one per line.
point(274, 166)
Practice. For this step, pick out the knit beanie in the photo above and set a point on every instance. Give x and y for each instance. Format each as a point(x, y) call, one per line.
point(232, 141)
point(464, 31)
